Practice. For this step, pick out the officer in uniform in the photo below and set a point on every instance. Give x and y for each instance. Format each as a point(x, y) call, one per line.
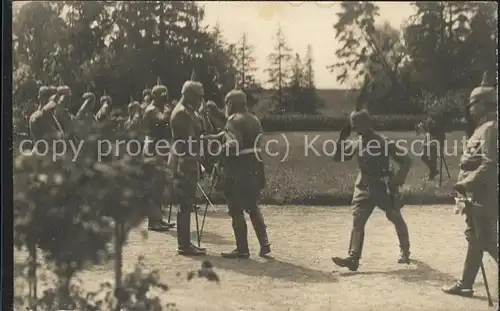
point(105, 109)
point(376, 185)
point(184, 162)
point(434, 143)
point(478, 178)
point(156, 125)
point(244, 176)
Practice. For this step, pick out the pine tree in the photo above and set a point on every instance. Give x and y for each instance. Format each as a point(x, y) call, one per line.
point(245, 63)
point(277, 71)
point(296, 85)
point(310, 102)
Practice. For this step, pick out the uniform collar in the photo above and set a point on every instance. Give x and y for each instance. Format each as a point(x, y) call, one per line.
point(492, 116)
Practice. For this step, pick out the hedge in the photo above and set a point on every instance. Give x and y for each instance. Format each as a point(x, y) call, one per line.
point(292, 123)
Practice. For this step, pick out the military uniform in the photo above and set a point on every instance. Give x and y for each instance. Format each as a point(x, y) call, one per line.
point(375, 186)
point(244, 176)
point(184, 161)
point(435, 137)
point(156, 126)
point(103, 113)
point(43, 122)
point(478, 176)
point(146, 99)
point(134, 117)
point(85, 113)
point(66, 120)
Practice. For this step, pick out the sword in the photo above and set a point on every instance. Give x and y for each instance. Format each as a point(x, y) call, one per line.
point(206, 197)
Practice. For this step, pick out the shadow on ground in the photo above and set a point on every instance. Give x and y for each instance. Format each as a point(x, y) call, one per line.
point(272, 268)
point(422, 273)
point(208, 237)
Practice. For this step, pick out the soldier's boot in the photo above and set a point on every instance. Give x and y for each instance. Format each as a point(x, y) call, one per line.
point(185, 247)
point(260, 228)
point(471, 268)
point(355, 249)
point(403, 236)
point(168, 222)
point(458, 289)
point(241, 236)
point(158, 225)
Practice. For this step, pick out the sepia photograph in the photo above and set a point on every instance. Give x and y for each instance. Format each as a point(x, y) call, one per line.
point(333, 155)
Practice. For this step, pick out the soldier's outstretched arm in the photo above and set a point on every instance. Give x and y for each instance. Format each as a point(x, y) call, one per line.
point(487, 155)
point(404, 163)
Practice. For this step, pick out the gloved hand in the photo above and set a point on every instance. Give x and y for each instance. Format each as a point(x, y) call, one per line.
point(345, 131)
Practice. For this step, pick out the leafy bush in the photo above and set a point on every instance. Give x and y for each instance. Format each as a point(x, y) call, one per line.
point(72, 207)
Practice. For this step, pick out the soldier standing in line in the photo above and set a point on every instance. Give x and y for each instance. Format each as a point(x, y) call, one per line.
point(62, 113)
point(478, 178)
point(134, 116)
point(156, 126)
point(146, 98)
point(103, 113)
point(184, 162)
point(85, 113)
point(244, 176)
point(40, 122)
point(375, 186)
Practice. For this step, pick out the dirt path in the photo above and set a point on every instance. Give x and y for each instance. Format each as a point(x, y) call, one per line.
point(302, 276)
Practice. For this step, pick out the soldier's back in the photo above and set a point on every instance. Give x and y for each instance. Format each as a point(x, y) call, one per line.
point(40, 125)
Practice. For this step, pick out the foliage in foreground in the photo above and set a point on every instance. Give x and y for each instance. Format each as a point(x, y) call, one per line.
point(72, 209)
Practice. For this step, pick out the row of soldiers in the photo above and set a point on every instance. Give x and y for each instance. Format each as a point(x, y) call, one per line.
point(377, 184)
point(191, 119)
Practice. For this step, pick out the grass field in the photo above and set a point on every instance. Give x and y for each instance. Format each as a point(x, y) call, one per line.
point(302, 276)
point(295, 177)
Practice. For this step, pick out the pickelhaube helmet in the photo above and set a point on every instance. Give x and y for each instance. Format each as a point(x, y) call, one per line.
point(64, 90)
point(44, 91)
point(360, 116)
point(236, 97)
point(105, 98)
point(146, 92)
point(88, 96)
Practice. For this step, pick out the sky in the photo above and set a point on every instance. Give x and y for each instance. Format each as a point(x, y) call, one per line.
point(303, 23)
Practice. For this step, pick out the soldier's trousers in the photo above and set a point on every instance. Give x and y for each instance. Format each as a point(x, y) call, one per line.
point(186, 196)
point(155, 190)
point(361, 213)
point(238, 205)
point(481, 234)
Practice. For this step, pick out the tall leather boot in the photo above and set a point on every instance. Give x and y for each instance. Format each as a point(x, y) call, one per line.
point(185, 247)
point(260, 229)
point(404, 240)
point(241, 236)
point(355, 250)
point(471, 268)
